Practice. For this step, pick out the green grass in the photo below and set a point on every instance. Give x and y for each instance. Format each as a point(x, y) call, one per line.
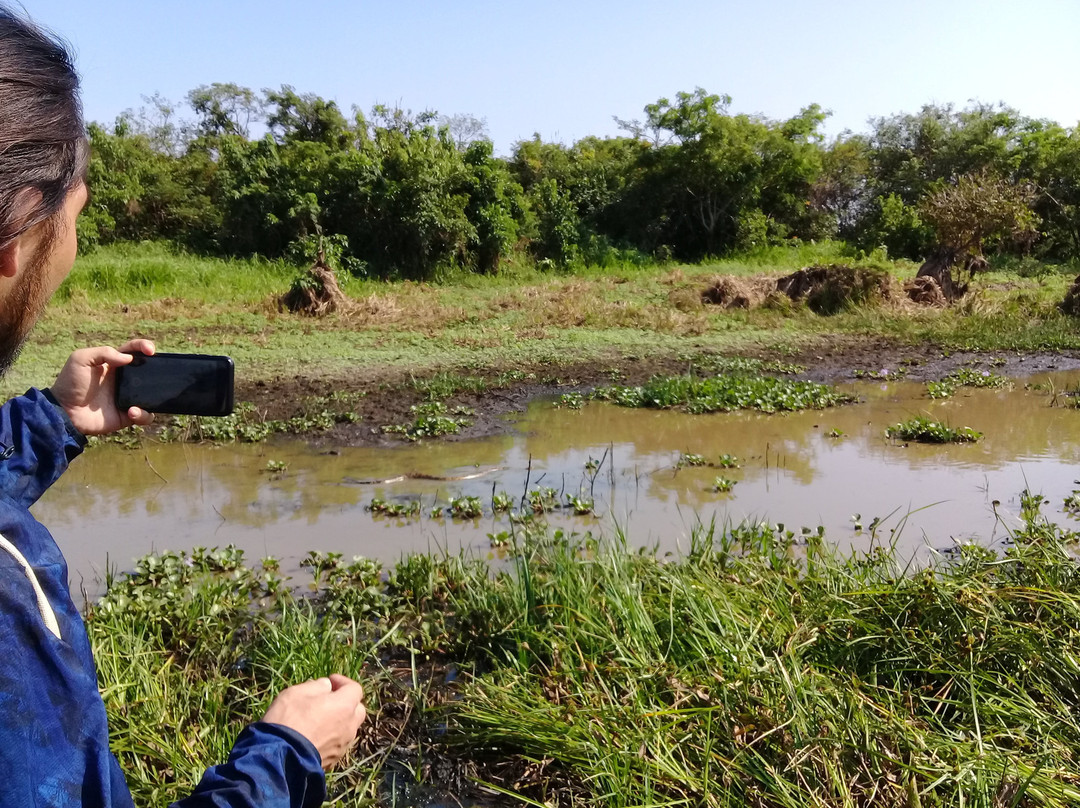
point(748, 671)
point(523, 319)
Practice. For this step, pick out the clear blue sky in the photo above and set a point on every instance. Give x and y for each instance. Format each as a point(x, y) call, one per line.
point(563, 69)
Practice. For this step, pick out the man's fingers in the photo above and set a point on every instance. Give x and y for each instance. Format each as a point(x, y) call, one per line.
point(347, 689)
point(140, 417)
point(339, 680)
point(102, 355)
point(143, 346)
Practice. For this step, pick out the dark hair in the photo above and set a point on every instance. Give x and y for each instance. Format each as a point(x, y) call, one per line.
point(43, 148)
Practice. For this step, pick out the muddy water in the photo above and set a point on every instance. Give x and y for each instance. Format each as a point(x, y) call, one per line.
point(116, 504)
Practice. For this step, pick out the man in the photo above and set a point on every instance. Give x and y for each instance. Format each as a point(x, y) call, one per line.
point(54, 748)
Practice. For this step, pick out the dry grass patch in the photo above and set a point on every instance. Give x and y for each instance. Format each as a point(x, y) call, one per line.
point(732, 292)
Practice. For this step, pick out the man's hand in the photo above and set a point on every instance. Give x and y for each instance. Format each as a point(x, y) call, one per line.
point(86, 388)
point(326, 711)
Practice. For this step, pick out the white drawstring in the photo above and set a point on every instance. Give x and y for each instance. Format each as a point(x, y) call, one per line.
point(42, 602)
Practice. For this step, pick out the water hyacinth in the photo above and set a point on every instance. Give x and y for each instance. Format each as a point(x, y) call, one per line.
point(725, 394)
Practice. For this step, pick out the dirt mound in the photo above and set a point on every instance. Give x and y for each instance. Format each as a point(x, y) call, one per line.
point(831, 288)
point(315, 293)
point(733, 292)
point(1071, 303)
point(925, 291)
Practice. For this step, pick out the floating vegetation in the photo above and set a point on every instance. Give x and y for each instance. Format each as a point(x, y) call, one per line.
point(1072, 501)
point(964, 377)
point(466, 508)
point(725, 394)
point(883, 374)
point(722, 485)
point(431, 421)
point(925, 430)
point(690, 459)
point(383, 507)
point(570, 401)
point(542, 500)
point(579, 506)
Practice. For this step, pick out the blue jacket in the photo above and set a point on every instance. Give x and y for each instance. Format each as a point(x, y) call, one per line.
point(54, 740)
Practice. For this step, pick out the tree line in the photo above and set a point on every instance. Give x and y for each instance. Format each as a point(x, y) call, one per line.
point(394, 194)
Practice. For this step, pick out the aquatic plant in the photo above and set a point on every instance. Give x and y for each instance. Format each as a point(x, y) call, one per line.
point(386, 508)
point(466, 508)
point(725, 393)
point(1072, 501)
point(964, 377)
point(925, 430)
point(690, 459)
point(543, 500)
point(430, 421)
point(722, 485)
point(579, 505)
point(501, 502)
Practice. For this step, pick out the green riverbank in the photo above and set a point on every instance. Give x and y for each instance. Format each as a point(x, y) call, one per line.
point(758, 668)
point(526, 319)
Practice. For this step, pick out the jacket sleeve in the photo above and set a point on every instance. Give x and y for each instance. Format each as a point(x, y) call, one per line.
point(270, 766)
point(37, 441)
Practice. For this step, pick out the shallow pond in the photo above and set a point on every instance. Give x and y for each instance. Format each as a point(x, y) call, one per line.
point(116, 504)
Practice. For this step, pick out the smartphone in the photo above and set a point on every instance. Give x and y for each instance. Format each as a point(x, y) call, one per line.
point(180, 384)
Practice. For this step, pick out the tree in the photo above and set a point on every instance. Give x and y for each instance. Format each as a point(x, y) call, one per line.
point(158, 122)
point(713, 170)
point(226, 109)
point(980, 210)
point(464, 129)
point(307, 117)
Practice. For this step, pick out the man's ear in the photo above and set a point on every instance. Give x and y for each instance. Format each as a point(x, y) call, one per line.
point(12, 253)
point(9, 258)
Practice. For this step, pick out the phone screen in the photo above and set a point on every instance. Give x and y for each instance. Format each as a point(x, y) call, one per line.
point(182, 384)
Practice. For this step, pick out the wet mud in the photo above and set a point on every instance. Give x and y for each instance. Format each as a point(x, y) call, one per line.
point(387, 395)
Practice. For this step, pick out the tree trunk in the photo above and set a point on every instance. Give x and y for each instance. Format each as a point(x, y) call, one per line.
point(939, 266)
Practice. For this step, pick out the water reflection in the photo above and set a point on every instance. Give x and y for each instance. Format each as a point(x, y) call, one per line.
point(120, 503)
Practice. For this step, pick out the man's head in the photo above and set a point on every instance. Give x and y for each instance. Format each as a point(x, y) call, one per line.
point(43, 155)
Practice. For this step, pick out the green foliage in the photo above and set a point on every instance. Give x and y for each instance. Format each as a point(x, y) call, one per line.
point(981, 210)
point(418, 195)
point(925, 430)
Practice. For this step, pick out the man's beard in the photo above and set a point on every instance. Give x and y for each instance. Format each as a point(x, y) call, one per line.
point(21, 309)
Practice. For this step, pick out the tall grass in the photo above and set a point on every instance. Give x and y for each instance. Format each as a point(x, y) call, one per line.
point(147, 271)
point(752, 670)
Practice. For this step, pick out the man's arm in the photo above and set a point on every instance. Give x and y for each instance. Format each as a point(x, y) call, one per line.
point(37, 442)
point(278, 762)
